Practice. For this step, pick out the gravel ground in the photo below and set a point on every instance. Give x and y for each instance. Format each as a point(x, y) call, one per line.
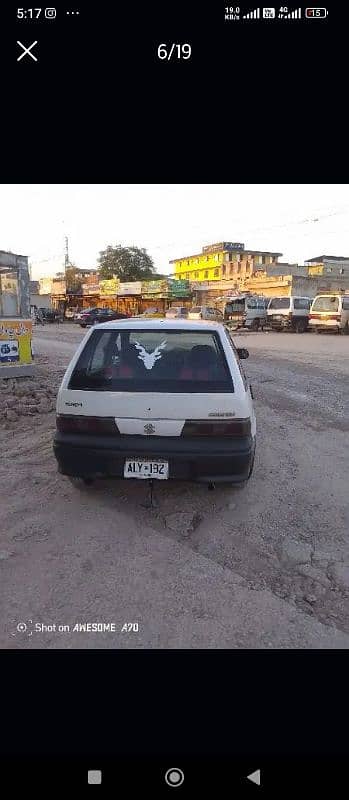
point(266, 566)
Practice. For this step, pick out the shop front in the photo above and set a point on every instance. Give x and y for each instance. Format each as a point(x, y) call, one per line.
point(129, 297)
point(16, 327)
point(90, 295)
point(207, 293)
point(179, 293)
point(108, 291)
point(154, 296)
point(59, 295)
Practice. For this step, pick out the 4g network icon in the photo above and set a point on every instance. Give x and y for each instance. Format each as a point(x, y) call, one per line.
point(284, 13)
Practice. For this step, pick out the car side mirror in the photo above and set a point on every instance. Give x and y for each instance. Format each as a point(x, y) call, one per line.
point(242, 352)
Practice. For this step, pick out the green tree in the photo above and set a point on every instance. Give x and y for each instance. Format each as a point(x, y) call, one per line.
point(73, 278)
point(127, 263)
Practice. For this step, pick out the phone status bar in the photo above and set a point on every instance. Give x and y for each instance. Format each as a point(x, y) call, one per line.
point(236, 13)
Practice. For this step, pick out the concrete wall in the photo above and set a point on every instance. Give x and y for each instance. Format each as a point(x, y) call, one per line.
point(20, 264)
point(40, 300)
point(286, 269)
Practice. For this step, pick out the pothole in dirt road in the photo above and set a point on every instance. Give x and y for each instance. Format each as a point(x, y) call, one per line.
point(176, 508)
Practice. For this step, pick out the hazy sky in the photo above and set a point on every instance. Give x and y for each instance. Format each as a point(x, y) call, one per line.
point(171, 220)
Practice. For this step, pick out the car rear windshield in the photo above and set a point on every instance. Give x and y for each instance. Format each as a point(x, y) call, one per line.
point(152, 361)
point(279, 302)
point(326, 304)
point(197, 309)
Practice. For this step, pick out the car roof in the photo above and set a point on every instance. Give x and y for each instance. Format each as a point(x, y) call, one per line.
point(290, 297)
point(158, 324)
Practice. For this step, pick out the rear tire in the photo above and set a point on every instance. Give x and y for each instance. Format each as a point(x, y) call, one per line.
point(80, 483)
point(345, 330)
point(255, 325)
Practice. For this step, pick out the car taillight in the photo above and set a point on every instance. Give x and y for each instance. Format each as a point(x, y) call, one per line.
point(96, 426)
point(325, 316)
point(201, 427)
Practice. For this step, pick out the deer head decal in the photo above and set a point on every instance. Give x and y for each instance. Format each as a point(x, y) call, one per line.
point(150, 358)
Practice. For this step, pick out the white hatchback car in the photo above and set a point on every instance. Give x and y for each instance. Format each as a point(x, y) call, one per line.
point(163, 399)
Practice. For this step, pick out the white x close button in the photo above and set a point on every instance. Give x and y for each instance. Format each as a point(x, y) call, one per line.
point(27, 51)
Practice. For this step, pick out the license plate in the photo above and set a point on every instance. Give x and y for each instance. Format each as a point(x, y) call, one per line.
point(143, 469)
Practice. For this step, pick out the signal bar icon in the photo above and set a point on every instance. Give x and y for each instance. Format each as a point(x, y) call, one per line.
point(252, 14)
point(296, 14)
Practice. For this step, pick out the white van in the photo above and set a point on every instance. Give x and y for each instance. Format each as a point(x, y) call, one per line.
point(206, 312)
point(330, 312)
point(289, 313)
point(156, 399)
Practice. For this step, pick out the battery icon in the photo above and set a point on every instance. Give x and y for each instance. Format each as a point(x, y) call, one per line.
point(316, 13)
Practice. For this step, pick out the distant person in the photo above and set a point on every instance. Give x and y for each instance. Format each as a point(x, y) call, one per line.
point(40, 316)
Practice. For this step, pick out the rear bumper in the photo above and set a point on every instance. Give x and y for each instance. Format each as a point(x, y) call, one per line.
point(249, 323)
point(279, 324)
point(189, 459)
point(324, 325)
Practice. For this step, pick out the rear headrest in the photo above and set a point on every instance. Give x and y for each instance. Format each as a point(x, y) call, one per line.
point(202, 355)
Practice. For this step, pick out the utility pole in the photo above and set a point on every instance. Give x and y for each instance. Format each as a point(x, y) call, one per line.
point(66, 253)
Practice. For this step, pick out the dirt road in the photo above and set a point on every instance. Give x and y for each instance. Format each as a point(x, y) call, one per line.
point(266, 566)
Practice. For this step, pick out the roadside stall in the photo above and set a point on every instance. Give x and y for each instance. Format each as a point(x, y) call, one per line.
point(59, 296)
point(90, 295)
point(129, 297)
point(179, 293)
point(16, 326)
point(233, 306)
point(154, 296)
point(108, 292)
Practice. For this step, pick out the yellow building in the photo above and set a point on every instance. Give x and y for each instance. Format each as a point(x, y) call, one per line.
point(223, 261)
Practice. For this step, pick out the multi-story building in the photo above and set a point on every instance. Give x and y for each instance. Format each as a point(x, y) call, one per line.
point(225, 261)
point(328, 265)
point(288, 285)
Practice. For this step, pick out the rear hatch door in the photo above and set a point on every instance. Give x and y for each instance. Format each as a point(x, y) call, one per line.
point(159, 376)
